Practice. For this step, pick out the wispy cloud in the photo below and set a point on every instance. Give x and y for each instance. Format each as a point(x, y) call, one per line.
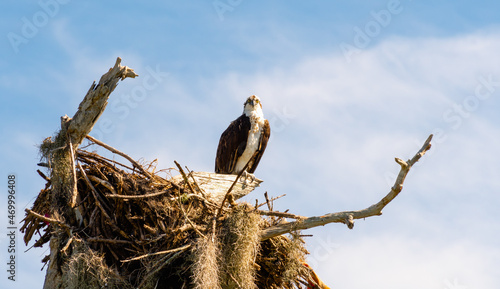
point(394, 262)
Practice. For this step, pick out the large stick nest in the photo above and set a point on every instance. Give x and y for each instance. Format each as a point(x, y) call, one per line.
point(139, 230)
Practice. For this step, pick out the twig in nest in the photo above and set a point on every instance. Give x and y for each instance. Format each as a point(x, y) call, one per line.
point(104, 183)
point(183, 248)
point(280, 214)
point(273, 199)
point(48, 220)
point(269, 204)
point(110, 241)
point(189, 220)
point(74, 190)
point(112, 149)
point(70, 240)
point(180, 204)
point(43, 175)
point(138, 196)
point(197, 185)
point(159, 265)
point(185, 177)
point(98, 199)
point(99, 158)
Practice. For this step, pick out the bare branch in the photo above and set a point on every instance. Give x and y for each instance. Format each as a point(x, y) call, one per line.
point(94, 103)
point(348, 217)
point(113, 150)
point(273, 199)
point(47, 219)
point(105, 184)
point(280, 214)
point(184, 176)
point(110, 241)
point(137, 196)
point(183, 248)
point(74, 193)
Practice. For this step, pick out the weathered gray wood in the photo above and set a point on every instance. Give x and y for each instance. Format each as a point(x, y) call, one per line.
point(60, 154)
point(348, 217)
point(215, 186)
point(94, 103)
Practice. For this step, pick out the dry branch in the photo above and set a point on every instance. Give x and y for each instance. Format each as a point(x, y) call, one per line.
point(95, 102)
point(280, 214)
point(46, 219)
point(137, 196)
point(183, 248)
point(113, 150)
point(257, 205)
point(348, 217)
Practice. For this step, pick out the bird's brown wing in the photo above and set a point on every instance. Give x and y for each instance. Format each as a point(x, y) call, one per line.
point(264, 138)
point(232, 144)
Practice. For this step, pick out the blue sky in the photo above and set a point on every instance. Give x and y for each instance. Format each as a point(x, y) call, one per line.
point(346, 85)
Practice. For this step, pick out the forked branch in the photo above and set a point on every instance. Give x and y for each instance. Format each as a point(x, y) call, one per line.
point(348, 217)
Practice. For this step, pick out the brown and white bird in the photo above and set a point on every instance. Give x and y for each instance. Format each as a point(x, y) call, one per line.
point(244, 141)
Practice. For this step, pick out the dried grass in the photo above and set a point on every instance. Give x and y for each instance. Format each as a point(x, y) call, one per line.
point(86, 269)
point(239, 246)
point(206, 259)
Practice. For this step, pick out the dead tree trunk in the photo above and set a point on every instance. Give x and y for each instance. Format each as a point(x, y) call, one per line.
point(60, 155)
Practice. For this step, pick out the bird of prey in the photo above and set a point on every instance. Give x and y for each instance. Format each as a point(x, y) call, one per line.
point(244, 141)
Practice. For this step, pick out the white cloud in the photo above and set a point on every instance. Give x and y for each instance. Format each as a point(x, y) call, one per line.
point(389, 261)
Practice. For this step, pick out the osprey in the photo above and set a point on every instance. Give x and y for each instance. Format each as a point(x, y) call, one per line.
point(244, 141)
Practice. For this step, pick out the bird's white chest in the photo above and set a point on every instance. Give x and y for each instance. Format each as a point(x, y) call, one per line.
point(253, 141)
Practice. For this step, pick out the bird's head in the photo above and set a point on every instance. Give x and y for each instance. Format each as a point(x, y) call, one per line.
point(252, 104)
